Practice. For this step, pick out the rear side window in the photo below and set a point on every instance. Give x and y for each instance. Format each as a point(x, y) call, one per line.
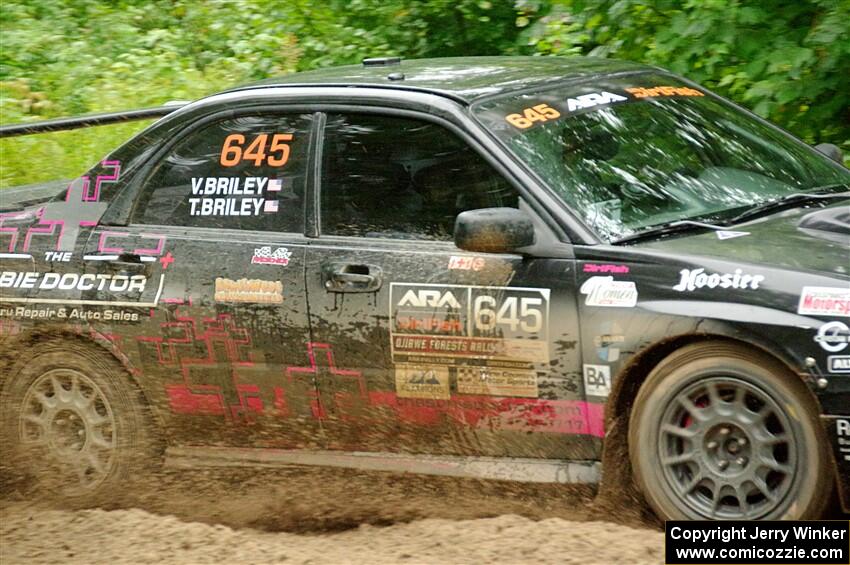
point(401, 178)
point(240, 173)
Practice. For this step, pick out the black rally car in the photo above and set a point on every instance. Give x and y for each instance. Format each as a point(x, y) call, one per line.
point(514, 268)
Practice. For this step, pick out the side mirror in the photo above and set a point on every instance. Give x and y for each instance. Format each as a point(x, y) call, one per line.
point(493, 230)
point(832, 151)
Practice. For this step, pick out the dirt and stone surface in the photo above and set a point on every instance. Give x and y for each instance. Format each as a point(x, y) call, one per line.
point(315, 515)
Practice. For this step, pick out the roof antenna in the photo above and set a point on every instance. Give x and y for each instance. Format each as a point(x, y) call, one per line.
point(381, 61)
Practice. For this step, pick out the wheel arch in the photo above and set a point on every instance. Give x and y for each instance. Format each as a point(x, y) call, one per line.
point(84, 338)
point(617, 478)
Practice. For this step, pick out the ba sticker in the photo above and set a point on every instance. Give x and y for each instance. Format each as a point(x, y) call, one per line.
point(422, 382)
point(824, 301)
point(605, 291)
point(597, 380)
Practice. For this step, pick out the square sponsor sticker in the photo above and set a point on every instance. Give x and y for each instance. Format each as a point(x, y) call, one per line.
point(417, 381)
point(496, 381)
point(597, 380)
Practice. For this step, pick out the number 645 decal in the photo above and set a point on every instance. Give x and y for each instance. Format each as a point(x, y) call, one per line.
point(232, 152)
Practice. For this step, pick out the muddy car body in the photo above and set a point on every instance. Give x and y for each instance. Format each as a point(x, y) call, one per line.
point(373, 266)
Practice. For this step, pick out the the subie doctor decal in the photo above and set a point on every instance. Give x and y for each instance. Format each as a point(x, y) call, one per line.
point(693, 279)
point(825, 301)
point(605, 291)
point(94, 289)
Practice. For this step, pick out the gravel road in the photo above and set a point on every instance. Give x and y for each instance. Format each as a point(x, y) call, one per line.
point(299, 515)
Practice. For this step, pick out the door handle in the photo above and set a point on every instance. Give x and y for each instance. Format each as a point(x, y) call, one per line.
point(347, 277)
point(129, 262)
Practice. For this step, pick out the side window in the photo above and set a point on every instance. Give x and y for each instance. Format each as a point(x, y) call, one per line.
point(239, 173)
point(402, 178)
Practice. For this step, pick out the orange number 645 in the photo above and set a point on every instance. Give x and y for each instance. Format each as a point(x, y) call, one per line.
point(232, 152)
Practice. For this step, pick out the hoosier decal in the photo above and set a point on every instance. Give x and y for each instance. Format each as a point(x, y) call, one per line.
point(693, 279)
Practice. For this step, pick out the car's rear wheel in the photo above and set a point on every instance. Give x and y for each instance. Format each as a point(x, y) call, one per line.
point(721, 432)
point(74, 424)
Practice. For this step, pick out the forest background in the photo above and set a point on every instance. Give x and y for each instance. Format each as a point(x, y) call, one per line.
point(787, 60)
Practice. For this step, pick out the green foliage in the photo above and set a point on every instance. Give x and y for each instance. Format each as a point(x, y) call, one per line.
point(786, 59)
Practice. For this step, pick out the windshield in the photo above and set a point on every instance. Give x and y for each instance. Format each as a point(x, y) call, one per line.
point(632, 152)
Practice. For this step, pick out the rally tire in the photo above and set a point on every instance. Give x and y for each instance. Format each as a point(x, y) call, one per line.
point(74, 426)
point(719, 431)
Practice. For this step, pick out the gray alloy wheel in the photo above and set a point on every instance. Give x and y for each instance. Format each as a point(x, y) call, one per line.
point(73, 424)
point(66, 418)
point(722, 433)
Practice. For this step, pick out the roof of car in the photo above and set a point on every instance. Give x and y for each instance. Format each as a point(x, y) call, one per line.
point(463, 78)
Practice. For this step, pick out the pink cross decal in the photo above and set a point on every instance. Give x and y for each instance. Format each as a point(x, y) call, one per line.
point(81, 208)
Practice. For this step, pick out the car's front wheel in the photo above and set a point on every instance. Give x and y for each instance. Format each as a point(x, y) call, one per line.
point(721, 432)
point(74, 424)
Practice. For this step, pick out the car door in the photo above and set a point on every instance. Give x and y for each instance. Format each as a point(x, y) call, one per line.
point(215, 247)
point(417, 345)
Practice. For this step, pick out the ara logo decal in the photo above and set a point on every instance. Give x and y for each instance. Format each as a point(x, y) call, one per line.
point(429, 298)
point(593, 99)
